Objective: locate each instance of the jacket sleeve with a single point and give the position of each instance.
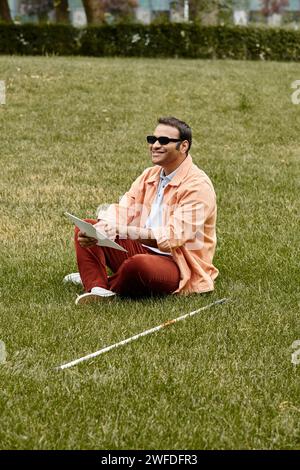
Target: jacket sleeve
(124, 212)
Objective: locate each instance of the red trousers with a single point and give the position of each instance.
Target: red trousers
(139, 272)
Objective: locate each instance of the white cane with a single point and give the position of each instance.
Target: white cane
(144, 333)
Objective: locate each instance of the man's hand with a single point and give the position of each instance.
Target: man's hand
(143, 235)
(85, 241)
(107, 228)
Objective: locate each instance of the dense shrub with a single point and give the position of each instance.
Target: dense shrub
(164, 40)
(33, 39)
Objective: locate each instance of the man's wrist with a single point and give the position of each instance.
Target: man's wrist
(144, 234)
(135, 232)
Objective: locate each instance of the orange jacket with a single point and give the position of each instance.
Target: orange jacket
(189, 221)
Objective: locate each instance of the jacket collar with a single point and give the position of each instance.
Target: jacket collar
(178, 177)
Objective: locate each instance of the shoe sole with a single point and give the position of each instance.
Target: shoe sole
(92, 298)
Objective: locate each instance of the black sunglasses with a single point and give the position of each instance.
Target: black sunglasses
(151, 139)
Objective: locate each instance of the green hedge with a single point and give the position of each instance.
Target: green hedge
(30, 39)
(165, 40)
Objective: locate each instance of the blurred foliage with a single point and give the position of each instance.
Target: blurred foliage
(188, 40)
(269, 7)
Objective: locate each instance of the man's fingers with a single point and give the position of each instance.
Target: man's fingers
(82, 235)
(86, 244)
(86, 237)
(85, 241)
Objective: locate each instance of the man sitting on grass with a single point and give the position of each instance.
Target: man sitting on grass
(166, 222)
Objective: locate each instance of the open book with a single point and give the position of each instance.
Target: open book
(90, 231)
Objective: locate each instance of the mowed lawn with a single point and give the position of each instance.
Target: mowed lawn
(72, 137)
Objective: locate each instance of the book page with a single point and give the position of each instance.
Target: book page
(90, 231)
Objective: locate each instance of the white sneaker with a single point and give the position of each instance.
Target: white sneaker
(73, 278)
(97, 294)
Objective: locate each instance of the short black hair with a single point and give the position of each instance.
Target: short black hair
(185, 132)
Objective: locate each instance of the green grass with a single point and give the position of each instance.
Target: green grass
(72, 137)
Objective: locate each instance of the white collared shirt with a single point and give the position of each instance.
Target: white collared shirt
(156, 213)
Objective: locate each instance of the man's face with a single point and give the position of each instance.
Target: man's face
(166, 155)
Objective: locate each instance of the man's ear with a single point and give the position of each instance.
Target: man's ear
(184, 144)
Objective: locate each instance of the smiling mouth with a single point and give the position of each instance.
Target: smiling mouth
(157, 154)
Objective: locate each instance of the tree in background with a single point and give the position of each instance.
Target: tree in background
(209, 12)
(39, 8)
(120, 9)
(5, 11)
(241, 4)
(273, 7)
(96, 10)
(62, 12)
